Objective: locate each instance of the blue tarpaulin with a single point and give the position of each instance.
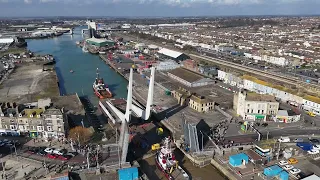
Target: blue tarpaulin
(128, 174)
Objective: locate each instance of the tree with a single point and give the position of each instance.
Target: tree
(80, 134)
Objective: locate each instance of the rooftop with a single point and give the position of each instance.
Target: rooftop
(170, 53)
(251, 96)
(33, 112)
(98, 40)
(200, 99)
(53, 112)
(186, 75)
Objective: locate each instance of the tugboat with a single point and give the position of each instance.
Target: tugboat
(167, 163)
(100, 89)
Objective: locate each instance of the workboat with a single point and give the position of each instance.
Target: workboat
(168, 164)
(100, 89)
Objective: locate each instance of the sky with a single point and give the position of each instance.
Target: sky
(156, 8)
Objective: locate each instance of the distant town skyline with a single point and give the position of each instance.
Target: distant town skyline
(154, 8)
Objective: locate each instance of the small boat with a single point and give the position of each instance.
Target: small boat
(71, 71)
(102, 52)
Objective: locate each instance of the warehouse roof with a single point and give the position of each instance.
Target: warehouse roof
(170, 53)
(186, 75)
(6, 40)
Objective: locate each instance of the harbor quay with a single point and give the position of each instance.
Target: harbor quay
(166, 108)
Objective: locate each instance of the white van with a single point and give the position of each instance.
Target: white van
(284, 139)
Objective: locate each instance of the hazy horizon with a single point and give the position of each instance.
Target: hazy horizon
(157, 8)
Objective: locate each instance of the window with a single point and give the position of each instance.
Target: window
(49, 121)
(20, 121)
(49, 128)
(248, 110)
(258, 111)
(58, 121)
(251, 110)
(262, 111)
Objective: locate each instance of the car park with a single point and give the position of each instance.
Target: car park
(295, 171)
(288, 167)
(49, 150)
(282, 163)
(313, 151)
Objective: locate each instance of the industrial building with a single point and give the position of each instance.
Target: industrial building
(188, 78)
(100, 42)
(287, 116)
(238, 159)
(275, 171)
(255, 107)
(165, 53)
(167, 65)
(6, 40)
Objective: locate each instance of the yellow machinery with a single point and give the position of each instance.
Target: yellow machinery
(310, 113)
(159, 131)
(155, 146)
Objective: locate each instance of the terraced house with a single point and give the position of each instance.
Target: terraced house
(33, 119)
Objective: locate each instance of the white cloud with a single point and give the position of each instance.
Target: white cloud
(27, 1)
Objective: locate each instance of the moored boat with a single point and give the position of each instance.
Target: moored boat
(100, 89)
(166, 162)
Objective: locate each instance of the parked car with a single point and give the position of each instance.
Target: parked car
(313, 151)
(282, 163)
(65, 157)
(52, 156)
(315, 141)
(298, 140)
(284, 139)
(295, 171)
(288, 167)
(292, 161)
(49, 150)
(316, 147)
(60, 151)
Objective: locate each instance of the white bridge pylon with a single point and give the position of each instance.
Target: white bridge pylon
(130, 107)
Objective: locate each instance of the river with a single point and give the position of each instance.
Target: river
(70, 57)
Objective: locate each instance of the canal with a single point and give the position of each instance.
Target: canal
(70, 57)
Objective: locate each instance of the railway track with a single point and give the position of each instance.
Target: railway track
(288, 80)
